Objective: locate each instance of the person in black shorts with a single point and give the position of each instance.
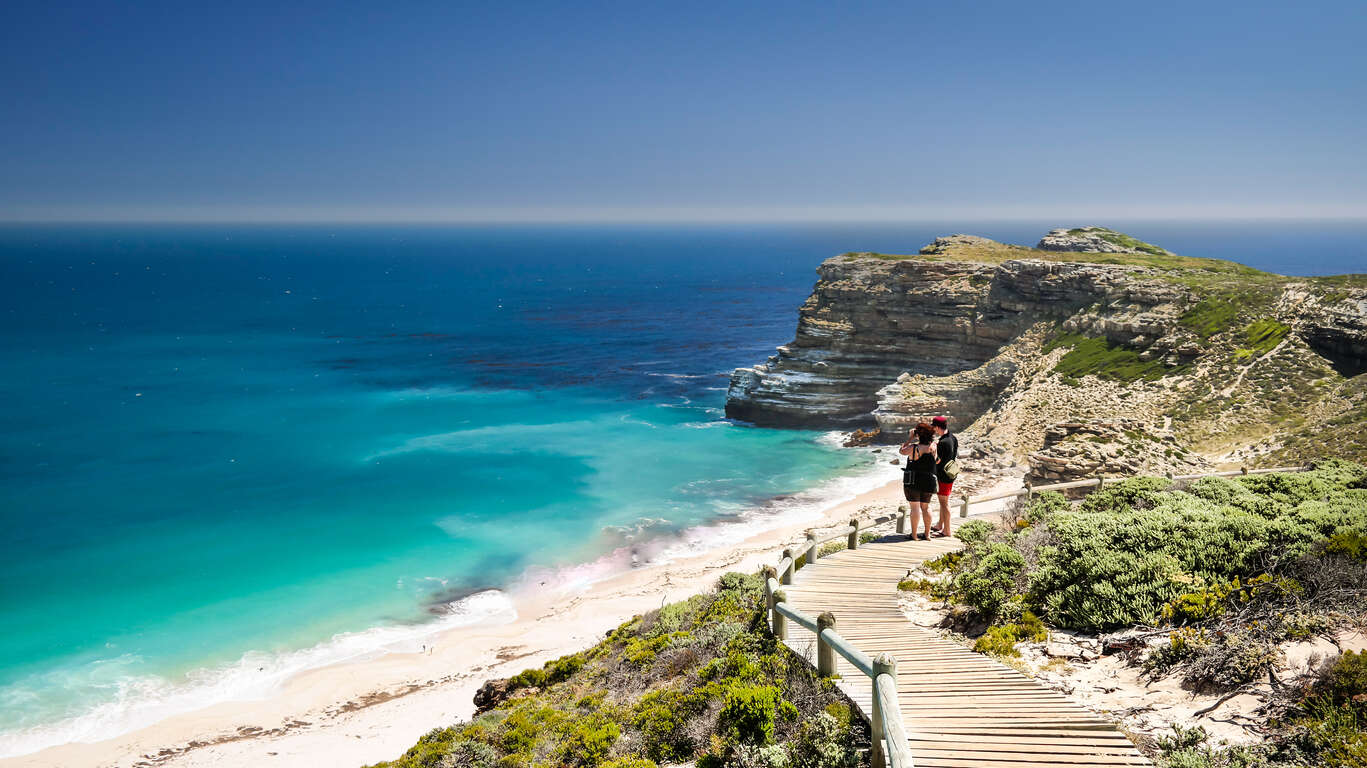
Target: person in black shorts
(918, 477)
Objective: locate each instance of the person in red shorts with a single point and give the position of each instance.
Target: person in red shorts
(946, 450)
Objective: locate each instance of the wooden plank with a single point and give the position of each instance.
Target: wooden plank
(959, 708)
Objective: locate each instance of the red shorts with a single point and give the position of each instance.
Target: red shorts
(945, 488)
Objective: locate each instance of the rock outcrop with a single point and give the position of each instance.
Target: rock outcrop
(1122, 448)
(1094, 240)
(1335, 325)
(1013, 341)
(869, 319)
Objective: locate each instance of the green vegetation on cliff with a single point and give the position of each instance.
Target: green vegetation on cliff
(1090, 356)
(700, 680)
(1121, 239)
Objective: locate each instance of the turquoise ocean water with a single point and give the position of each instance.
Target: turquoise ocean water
(232, 453)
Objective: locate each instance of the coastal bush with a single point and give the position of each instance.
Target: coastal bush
(823, 742)
(699, 677)
(1262, 336)
(469, 754)
(1140, 551)
(587, 741)
(628, 761)
(1000, 640)
(758, 756)
(991, 578)
(1125, 495)
(1349, 544)
(750, 712)
(1343, 683)
(1044, 504)
(974, 532)
(660, 719)
(944, 562)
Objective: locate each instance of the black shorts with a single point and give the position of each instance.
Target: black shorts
(914, 495)
(918, 486)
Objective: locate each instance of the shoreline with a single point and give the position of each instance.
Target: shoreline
(363, 711)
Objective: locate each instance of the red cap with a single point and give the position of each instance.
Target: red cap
(939, 421)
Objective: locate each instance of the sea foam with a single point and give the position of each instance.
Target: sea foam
(141, 700)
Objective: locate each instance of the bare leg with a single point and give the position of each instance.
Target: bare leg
(945, 517)
(925, 517)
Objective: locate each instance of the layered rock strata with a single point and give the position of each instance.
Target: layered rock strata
(870, 319)
(1011, 341)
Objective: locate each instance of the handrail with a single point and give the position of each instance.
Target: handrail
(894, 734)
(890, 749)
(888, 715)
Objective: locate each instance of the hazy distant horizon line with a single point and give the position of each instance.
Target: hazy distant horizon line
(1081, 215)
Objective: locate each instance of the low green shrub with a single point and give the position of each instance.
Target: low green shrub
(974, 532)
(660, 718)
(1349, 544)
(944, 562)
(697, 677)
(1129, 494)
(628, 761)
(1344, 684)
(824, 742)
(587, 740)
(1000, 640)
(750, 712)
(1139, 551)
(991, 578)
(1044, 504)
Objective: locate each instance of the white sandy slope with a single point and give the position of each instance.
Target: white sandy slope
(362, 712)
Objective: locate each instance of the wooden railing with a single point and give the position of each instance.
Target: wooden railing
(885, 720)
(889, 735)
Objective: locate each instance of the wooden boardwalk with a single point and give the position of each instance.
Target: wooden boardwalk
(961, 709)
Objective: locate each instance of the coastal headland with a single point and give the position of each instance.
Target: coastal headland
(1090, 354)
(1075, 354)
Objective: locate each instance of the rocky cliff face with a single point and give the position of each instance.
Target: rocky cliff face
(1014, 340)
(869, 319)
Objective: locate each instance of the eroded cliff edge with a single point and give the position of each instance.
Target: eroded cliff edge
(1199, 354)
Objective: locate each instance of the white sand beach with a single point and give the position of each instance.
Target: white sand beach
(362, 712)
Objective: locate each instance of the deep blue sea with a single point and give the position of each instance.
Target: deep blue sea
(230, 453)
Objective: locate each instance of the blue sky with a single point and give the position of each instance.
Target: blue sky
(448, 111)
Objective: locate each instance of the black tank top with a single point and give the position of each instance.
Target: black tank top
(925, 464)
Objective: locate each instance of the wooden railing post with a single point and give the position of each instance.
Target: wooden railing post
(1029, 490)
(902, 519)
(780, 621)
(825, 654)
(853, 543)
(813, 549)
(883, 664)
(767, 573)
(963, 508)
(786, 577)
